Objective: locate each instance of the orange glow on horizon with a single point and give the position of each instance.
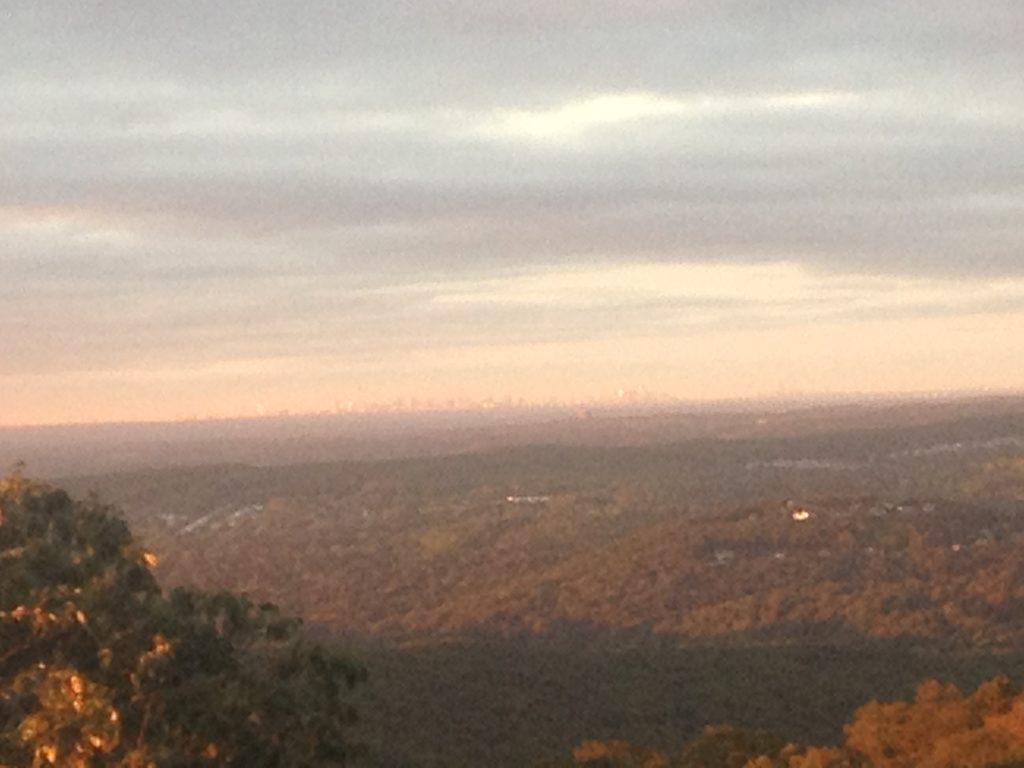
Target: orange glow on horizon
(965, 353)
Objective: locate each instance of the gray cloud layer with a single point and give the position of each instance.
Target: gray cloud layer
(202, 179)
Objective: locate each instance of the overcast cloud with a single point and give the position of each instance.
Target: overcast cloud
(191, 184)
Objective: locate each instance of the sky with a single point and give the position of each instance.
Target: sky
(227, 209)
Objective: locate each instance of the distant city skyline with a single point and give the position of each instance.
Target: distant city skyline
(216, 211)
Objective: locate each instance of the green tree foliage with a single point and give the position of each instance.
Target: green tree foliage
(99, 667)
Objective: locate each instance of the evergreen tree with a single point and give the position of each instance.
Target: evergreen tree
(100, 667)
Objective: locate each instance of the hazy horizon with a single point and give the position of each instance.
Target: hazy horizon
(621, 402)
(217, 214)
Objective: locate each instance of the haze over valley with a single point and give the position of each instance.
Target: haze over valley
(520, 384)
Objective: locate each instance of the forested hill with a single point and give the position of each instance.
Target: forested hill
(514, 603)
(102, 667)
(939, 728)
(912, 532)
(851, 568)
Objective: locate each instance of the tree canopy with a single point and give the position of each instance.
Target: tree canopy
(942, 727)
(100, 667)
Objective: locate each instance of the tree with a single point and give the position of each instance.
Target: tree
(100, 667)
(726, 746)
(617, 754)
(942, 727)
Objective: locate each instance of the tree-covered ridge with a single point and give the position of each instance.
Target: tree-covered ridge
(854, 568)
(100, 667)
(913, 531)
(657, 587)
(940, 728)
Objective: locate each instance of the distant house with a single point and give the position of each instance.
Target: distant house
(536, 499)
(881, 510)
(985, 536)
(797, 511)
(724, 556)
(239, 514)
